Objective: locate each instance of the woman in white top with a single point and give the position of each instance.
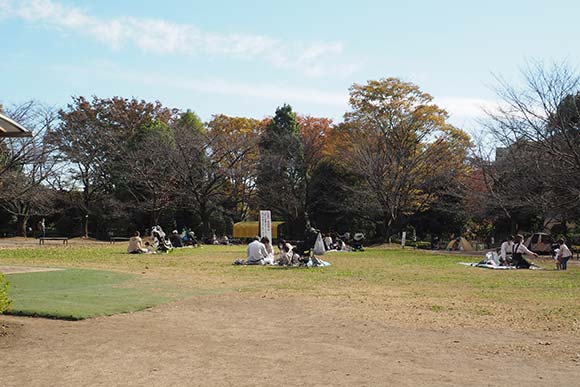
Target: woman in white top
(269, 260)
(506, 249)
(564, 254)
(518, 251)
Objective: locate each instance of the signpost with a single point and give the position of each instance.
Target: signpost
(266, 224)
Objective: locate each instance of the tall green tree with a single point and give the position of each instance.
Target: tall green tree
(281, 178)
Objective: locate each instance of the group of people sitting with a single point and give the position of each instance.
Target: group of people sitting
(513, 250)
(261, 252)
(136, 245)
(186, 238)
(157, 241)
(344, 242)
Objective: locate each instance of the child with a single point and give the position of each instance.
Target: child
(564, 254)
(557, 259)
(150, 249)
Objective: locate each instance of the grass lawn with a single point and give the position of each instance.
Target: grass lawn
(417, 286)
(76, 294)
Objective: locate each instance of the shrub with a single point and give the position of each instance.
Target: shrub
(423, 245)
(4, 300)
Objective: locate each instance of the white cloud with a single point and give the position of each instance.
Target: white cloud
(462, 110)
(466, 107)
(276, 92)
(164, 37)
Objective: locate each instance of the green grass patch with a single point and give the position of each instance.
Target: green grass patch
(418, 279)
(77, 294)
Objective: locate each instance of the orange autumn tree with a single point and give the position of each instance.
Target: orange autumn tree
(402, 147)
(315, 133)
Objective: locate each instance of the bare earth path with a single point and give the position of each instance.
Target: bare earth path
(255, 340)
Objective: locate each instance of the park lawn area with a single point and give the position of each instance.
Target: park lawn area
(382, 283)
(76, 294)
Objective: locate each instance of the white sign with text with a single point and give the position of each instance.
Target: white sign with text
(266, 224)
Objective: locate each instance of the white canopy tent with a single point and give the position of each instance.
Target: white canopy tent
(11, 128)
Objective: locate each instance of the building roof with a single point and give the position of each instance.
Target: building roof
(11, 128)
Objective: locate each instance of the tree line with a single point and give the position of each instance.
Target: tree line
(113, 165)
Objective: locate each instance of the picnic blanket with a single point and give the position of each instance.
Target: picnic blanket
(311, 263)
(492, 261)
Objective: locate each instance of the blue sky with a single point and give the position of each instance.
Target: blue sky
(247, 57)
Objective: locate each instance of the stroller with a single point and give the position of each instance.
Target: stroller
(160, 242)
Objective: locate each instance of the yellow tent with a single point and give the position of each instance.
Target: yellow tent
(461, 245)
(252, 229)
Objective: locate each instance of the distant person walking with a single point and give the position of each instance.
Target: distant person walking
(42, 227)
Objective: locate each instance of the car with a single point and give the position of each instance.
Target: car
(540, 243)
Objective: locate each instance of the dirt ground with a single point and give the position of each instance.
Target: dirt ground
(20, 242)
(270, 338)
(255, 340)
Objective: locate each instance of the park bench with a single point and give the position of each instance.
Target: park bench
(63, 239)
(118, 239)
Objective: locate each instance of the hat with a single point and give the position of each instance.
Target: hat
(174, 232)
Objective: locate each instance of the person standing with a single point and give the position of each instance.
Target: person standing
(564, 254)
(42, 228)
(518, 252)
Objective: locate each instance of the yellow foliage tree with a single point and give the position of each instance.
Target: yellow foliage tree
(402, 146)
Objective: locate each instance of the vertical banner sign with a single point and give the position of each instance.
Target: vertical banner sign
(403, 239)
(266, 225)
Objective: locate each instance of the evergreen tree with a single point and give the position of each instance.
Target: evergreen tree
(281, 180)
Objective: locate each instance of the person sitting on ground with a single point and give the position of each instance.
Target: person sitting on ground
(224, 240)
(505, 252)
(175, 239)
(150, 249)
(358, 241)
(284, 245)
(328, 242)
(285, 256)
(269, 249)
(518, 251)
(189, 238)
(136, 244)
(564, 254)
(256, 252)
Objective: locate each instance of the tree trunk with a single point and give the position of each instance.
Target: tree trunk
(86, 226)
(155, 211)
(22, 225)
(389, 225)
(204, 215)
